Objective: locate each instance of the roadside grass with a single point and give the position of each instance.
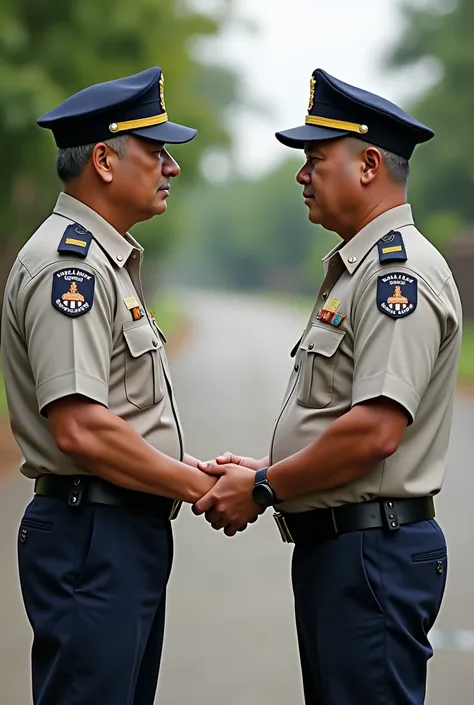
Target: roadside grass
(3, 400)
(466, 363)
(168, 313)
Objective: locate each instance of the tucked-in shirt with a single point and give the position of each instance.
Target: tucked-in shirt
(399, 338)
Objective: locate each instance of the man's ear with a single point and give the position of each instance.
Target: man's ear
(102, 158)
(372, 161)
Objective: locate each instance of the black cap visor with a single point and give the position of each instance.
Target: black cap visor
(167, 132)
(298, 136)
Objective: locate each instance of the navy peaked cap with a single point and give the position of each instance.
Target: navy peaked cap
(134, 104)
(337, 109)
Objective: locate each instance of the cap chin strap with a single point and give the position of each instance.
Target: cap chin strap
(140, 122)
(336, 124)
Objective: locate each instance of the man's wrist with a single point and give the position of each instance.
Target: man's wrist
(263, 492)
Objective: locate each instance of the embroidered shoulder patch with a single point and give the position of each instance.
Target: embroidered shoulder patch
(75, 239)
(391, 248)
(73, 292)
(397, 294)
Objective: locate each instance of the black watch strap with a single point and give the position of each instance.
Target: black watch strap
(261, 479)
(261, 475)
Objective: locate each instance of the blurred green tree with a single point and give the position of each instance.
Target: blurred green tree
(440, 32)
(49, 50)
(252, 235)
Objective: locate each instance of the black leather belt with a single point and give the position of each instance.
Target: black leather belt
(80, 489)
(320, 525)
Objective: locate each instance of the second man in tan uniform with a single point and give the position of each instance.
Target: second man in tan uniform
(359, 448)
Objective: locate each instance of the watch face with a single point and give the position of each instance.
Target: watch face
(263, 495)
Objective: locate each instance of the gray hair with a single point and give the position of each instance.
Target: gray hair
(71, 161)
(398, 167)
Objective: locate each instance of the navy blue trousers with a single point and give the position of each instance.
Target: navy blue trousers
(364, 604)
(93, 580)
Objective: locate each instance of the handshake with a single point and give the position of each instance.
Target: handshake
(229, 505)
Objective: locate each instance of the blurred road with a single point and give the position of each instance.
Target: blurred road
(230, 635)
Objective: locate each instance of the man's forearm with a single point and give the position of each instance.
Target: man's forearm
(110, 448)
(190, 460)
(347, 450)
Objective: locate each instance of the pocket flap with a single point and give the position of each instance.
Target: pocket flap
(140, 337)
(323, 340)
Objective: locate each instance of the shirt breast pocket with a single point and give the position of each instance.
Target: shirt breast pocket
(319, 351)
(144, 379)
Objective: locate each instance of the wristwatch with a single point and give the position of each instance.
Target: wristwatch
(263, 493)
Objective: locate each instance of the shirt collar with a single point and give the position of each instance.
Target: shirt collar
(353, 252)
(118, 248)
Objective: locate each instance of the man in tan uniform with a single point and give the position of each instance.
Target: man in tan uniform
(360, 445)
(91, 405)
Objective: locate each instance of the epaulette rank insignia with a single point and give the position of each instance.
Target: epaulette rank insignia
(75, 239)
(391, 248)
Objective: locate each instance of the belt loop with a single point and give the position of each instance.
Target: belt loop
(389, 514)
(334, 522)
(76, 491)
(285, 532)
(175, 507)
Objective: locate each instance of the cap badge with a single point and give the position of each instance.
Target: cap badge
(162, 92)
(312, 88)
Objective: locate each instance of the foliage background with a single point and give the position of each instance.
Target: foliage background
(234, 231)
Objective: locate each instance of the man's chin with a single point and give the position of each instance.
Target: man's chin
(159, 206)
(314, 217)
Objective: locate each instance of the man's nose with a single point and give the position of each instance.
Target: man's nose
(170, 166)
(303, 176)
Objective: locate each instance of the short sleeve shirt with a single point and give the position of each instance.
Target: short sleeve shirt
(79, 325)
(393, 330)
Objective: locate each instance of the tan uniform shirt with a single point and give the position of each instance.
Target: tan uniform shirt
(400, 339)
(51, 350)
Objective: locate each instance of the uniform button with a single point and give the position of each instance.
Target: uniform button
(324, 295)
(134, 256)
(23, 535)
(119, 258)
(352, 259)
(439, 567)
(296, 368)
(155, 343)
(310, 346)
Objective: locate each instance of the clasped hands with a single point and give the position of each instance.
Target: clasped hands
(229, 505)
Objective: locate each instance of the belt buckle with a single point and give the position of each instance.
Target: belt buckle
(285, 532)
(174, 511)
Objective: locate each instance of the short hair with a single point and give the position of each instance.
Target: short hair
(71, 161)
(398, 167)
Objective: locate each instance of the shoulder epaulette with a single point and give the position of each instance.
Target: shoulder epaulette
(391, 248)
(75, 239)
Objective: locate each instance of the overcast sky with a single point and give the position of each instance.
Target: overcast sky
(347, 38)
